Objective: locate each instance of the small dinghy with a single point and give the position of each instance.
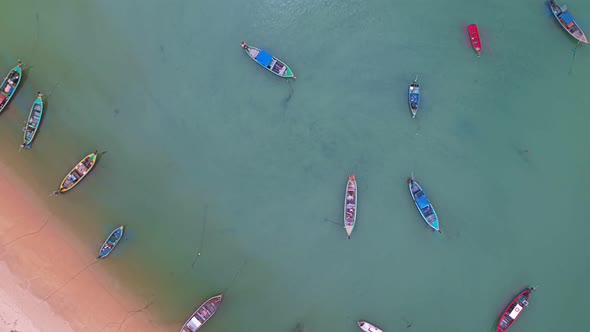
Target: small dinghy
(350, 199)
(202, 315)
(423, 204)
(368, 327)
(269, 62)
(10, 84)
(566, 20)
(33, 122)
(77, 173)
(414, 97)
(474, 38)
(111, 242)
(514, 310)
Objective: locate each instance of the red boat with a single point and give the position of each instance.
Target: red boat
(513, 311)
(474, 37)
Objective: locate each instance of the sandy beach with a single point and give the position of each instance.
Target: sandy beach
(49, 282)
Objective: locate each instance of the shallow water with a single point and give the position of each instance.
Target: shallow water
(204, 151)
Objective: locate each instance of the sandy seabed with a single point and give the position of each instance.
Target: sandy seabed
(48, 281)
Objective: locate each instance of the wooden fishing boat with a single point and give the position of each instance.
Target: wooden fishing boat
(10, 84)
(514, 310)
(368, 327)
(202, 315)
(33, 122)
(414, 97)
(350, 199)
(272, 64)
(111, 242)
(423, 204)
(474, 38)
(78, 173)
(566, 20)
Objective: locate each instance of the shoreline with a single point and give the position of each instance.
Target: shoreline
(50, 282)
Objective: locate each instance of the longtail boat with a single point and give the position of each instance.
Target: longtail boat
(350, 199)
(414, 97)
(10, 84)
(514, 310)
(111, 242)
(272, 64)
(566, 20)
(77, 173)
(33, 122)
(368, 327)
(202, 315)
(423, 204)
(474, 38)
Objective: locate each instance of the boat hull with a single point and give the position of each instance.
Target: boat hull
(111, 242)
(474, 38)
(202, 314)
(33, 122)
(268, 62)
(68, 183)
(567, 22)
(423, 204)
(414, 98)
(10, 85)
(368, 327)
(514, 309)
(350, 204)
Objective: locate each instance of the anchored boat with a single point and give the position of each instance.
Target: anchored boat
(10, 84)
(414, 97)
(368, 327)
(423, 204)
(350, 199)
(111, 242)
(33, 122)
(474, 38)
(272, 64)
(78, 173)
(514, 310)
(202, 315)
(566, 20)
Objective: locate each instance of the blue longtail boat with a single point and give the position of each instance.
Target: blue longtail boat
(423, 204)
(269, 62)
(33, 122)
(111, 242)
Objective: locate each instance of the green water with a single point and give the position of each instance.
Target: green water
(207, 152)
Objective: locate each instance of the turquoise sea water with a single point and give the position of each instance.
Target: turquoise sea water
(207, 152)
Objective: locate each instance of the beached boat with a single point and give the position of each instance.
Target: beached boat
(272, 64)
(567, 21)
(77, 173)
(33, 122)
(514, 310)
(350, 199)
(10, 84)
(474, 38)
(368, 327)
(202, 315)
(414, 97)
(423, 204)
(111, 242)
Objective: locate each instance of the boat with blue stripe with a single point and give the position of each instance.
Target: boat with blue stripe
(414, 97)
(269, 62)
(33, 122)
(423, 204)
(111, 242)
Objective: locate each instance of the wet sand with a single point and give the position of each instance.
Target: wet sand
(50, 282)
